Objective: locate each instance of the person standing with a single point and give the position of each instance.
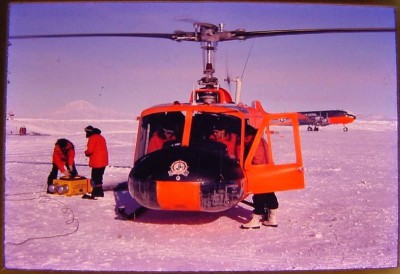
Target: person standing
(63, 161)
(265, 204)
(98, 160)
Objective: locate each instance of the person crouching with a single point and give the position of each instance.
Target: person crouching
(63, 161)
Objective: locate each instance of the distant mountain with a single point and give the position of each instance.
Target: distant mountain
(82, 109)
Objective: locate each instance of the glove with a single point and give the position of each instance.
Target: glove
(73, 173)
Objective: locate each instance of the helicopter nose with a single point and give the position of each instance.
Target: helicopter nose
(187, 179)
(208, 196)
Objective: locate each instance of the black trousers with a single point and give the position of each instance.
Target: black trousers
(54, 173)
(263, 202)
(97, 175)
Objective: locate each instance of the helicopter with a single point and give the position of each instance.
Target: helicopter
(192, 171)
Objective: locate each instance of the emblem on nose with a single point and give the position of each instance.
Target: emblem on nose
(178, 168)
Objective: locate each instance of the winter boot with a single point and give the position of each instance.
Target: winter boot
(88, 196)
(254, 223)
(270, 218)
(98, 191)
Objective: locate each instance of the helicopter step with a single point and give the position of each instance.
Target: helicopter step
(133, 215)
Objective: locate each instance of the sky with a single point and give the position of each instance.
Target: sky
(354, 72)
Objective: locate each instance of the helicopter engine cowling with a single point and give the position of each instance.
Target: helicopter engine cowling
(194, 178)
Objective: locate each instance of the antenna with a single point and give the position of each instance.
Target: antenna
(238, 80)
(247, 60)
(238, 95)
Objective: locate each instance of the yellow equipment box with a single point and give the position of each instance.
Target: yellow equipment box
(72, 186)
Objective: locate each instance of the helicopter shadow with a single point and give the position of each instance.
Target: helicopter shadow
(124, 199)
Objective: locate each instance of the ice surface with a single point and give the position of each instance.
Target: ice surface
(346, 217)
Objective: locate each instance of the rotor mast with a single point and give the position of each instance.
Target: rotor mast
(205, 33)
(209, 79)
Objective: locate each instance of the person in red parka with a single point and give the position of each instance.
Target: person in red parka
(265, 204)
(63, 161)
(221, 134)
(98, 159)
(160, 137)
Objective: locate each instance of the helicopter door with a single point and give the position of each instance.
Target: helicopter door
(278, 135)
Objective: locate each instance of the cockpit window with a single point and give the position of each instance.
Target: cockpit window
(216, 132)
(158, 130)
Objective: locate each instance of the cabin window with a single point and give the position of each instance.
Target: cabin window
(275, 143)
(281, 139)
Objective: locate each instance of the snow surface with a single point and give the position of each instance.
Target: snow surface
(346, 217)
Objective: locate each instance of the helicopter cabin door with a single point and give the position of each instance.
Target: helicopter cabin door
(278, 138)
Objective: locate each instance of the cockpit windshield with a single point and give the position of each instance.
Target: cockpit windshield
(159, 130)
(214, 132)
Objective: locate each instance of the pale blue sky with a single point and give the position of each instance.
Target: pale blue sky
(354, 72)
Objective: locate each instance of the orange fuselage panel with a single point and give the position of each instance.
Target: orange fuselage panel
(341, 120)
(175, 195)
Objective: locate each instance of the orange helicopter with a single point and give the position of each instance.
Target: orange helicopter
(194, 172)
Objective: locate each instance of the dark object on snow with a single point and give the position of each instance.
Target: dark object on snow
(133, 215)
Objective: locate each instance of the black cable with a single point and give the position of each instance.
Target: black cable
(65, 209)
(49, 163)
(34, 162)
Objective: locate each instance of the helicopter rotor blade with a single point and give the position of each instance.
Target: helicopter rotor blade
(209, 33)
(243, 35)
(79, 35)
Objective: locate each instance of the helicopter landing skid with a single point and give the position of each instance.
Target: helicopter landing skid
(133, 215)
(247, 203)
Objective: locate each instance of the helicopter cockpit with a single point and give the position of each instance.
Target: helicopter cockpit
(202, 128)
(203, 162)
